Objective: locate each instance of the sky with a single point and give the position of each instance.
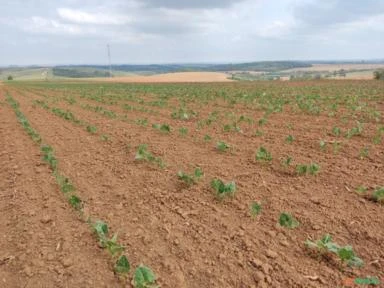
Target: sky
(59, 32)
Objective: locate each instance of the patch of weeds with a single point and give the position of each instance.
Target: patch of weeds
(263, 155)
(223, 190)
(144, 278)
(288, 221)
(143, 154)
(222, 146)
(255, 209)
(289, 139)
(326, 246)
(190, 179)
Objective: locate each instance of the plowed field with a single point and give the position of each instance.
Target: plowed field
(312, 150)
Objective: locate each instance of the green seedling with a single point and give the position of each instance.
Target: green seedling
(336, 131)
(287, 161)
(75, 202)
(143, 154)
(104, 138)
(263, 121)
(378, 195)
(64, 183)
(355, 131)
(112, 246)
(364, 153)
(361, 189)
(255, 209)
(165, 128)
(49, 157)
(183, 131)
(190, 179)
(311, 169)
(222, 146)
(323, 145)
(259, 133)
(325, 246)
(289, 139)
(223, 190)
(144, 278)
(207, 138)
(287, 220)
(142, 122)
(122, 266)
(91, 129)
(263, 155)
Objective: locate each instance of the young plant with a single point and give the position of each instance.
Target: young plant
(223, 190)
(207, 138)
(190, 179)
(259, 133)
(122, 266)
(222, 146)
(91, 129)
(336, 131)
(364, 153)
(311, 169)
(287, 220)
(144, 278)
(165, 128)
(361, 189)
(289, 139)
(355, 131)
(378, 195)
(263, 155)
(287, 161)
(75, 202)
(323, 145)
(255, 209)
(143, 154)
(183, 131)
(325, 246)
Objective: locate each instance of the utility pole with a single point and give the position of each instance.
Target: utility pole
(109, 61)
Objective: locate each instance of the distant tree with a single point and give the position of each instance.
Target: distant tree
(10, 78)
(378, 75)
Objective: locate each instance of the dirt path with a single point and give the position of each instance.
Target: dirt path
(43, 243)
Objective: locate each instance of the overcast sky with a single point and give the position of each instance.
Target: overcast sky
(176, 31)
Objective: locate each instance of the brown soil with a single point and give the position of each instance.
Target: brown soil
(43, 243)
(184, 234)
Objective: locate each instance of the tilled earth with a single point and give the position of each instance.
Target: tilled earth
(187, 236)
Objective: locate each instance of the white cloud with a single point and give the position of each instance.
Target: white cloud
(99, 18)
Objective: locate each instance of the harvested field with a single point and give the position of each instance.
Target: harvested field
(173, 77)
(337, 67)
(313, 150)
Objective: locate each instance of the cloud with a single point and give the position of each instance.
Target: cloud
(190, 4)
(332, 12)
(98, 18)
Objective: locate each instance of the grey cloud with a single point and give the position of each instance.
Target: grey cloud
(329, 12)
